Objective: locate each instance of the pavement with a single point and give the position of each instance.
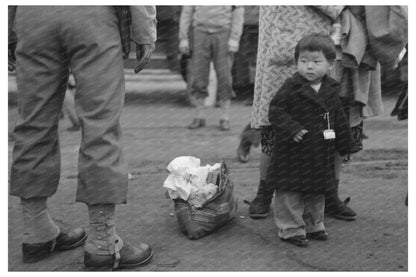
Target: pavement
(148, 81)
(154, 128)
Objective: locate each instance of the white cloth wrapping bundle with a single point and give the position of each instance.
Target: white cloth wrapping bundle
(188, 180)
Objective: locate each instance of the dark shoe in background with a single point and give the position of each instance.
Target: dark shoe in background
(340, 210)
(336, 208)
(224, 124)
(260, 206)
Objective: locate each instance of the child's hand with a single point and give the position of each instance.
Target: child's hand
(233, 46)
(184, 47)
(299, 136)
(336, 33)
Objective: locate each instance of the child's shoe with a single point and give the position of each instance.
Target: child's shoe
(320, 235)
(197, 123)
(224, 124)
(300, 241)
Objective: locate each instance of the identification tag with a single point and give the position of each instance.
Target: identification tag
(328, 133)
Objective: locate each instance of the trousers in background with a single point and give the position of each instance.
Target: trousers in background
(50, 41)
(207, 47)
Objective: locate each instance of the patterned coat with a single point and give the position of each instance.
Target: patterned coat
(280, 29)
(308, 165)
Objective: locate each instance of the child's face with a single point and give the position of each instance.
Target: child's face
(313, 66)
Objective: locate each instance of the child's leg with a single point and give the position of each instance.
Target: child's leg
(288, 214)
(201, 58)
(225, 109)
(200, 108)
(314, 212)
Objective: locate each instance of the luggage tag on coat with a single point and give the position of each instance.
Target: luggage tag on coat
(328, 133)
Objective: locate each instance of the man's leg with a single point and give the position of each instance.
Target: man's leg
(103, 178)
(260, 206)
(42, 76)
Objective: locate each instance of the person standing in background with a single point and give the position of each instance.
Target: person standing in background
(216, 32)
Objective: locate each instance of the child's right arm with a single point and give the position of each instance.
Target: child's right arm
(280, 119)
(299, 136)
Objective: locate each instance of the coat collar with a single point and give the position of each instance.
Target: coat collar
(327, 86)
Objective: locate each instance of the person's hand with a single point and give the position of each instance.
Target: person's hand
(12, 57)
(232, 46)
(299, 136)
(336, 33)
(346, 159)
(184, 47)
(143, 54)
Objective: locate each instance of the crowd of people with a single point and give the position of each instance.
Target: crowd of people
(313, 89)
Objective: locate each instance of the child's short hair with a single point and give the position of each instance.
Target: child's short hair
(316, 42)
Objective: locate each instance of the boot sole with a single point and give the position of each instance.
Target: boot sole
(120, 266)
(258, 216)
(141, 263)
(352, 218)
(31, 260)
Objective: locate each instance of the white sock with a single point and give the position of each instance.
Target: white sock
(225, 108)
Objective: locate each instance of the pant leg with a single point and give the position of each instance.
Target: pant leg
(91, 36)
(223, 62)
(201, 58)
(288, 214)
(313, 215)
(42, 76)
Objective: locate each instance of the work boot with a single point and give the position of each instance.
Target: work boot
(41, 236)
(260, 206)
(34, 252)
(336, 208)
(104, 249)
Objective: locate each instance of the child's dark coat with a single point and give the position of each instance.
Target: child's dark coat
(306, 166)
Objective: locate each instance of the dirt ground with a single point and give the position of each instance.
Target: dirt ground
(155, 133)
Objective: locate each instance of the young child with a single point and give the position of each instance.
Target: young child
(309, 123)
